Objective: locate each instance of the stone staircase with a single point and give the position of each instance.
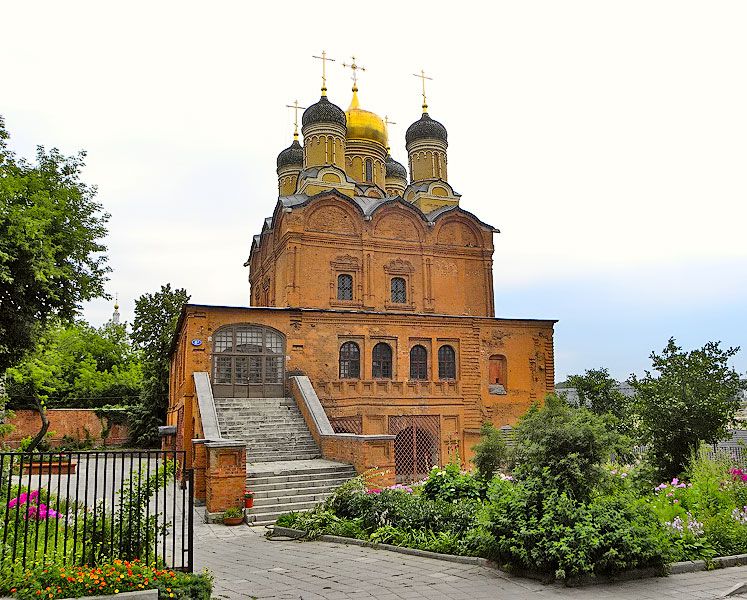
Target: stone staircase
(284, 465)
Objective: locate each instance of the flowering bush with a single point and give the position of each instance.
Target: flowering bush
(451, 484)
(34, 509)
(58, 581)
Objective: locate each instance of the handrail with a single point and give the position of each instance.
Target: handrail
(206, 403)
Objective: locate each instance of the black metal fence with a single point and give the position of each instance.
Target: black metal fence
(88, 508)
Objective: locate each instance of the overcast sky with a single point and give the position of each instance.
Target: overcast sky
(606, 140)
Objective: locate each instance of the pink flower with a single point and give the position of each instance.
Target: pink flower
(676, 501)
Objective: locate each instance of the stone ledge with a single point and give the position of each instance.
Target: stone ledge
(672, 569)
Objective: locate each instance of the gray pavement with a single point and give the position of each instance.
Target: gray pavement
(246, 565)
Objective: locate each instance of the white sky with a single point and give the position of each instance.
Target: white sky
(607, 141)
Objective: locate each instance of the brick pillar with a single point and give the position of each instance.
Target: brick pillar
(199, 463)
(225, 475)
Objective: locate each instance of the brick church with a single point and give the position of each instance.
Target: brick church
(373, 288)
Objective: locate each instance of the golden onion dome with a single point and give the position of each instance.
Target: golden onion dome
(363, 124)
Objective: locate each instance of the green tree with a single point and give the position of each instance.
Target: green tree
(692, 399)
(154, 325)
(76, 365)
(51, 257)
(599, 392)
(563, 447)
(490, 452)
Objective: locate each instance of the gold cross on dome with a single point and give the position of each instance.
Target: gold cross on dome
(324, 58)
(355, 68)
(295, 108)
(423, 77)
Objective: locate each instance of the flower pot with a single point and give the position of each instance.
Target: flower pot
(233, 520)
(248, 502)
(53, 468)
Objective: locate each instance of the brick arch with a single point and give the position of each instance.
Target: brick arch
(332, 217)
(398, 222)
(457, 231)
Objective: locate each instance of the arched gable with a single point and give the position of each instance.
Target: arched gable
(459, 231)
(398, 221)
(332, 216)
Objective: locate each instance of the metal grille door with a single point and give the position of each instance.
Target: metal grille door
(416, 446)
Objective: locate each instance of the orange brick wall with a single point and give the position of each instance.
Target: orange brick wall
(225, 478)
(72, 422)
(447, 266)
(313, 338)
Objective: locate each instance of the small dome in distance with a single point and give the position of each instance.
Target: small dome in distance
(395, 169)
(292, 155)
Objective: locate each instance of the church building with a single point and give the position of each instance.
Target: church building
(369, 282)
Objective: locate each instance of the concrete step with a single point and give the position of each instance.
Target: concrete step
(297, 493)
(276, 510)
(295, 477)
(288, 486)
(288, 457)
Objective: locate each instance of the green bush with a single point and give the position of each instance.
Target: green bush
(490, 453)
(451, 485)
(545, 530)
(564, 447)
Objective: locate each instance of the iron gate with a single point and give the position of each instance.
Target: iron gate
(89, 508)
(416, 446)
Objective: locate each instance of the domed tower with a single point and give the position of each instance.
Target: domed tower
(290, 164)
(323, 126)
(366, 142)
(426, 143)
(396, 177)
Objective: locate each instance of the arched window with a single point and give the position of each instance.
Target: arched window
(418, 362)
(381, 367)
(399, 290)
(344, 287)
(369, 170)
(350, 361)
(446, 363)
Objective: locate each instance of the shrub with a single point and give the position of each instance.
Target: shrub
(450, 485)
(574, 441)
(490, 452)
(548, 531)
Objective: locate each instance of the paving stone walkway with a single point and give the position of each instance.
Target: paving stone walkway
(246, 565)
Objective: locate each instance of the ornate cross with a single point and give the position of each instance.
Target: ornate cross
(324, 58)
(355, 68)
(295, 108)
(423, 77)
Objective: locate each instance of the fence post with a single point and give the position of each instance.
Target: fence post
(199, 464)
(225, 477)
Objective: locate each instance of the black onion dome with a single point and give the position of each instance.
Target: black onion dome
(323, 112)
(395, 169)
(425, 128)
(292, 155)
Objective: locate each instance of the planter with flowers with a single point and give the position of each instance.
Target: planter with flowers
(248, 498)
(233, 516)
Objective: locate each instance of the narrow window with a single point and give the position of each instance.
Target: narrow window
(498, 373)
(399, 290)
(418, 363)
(344, 287)
(350, 361)
(446, 363)
(369, 170)
(381, 366)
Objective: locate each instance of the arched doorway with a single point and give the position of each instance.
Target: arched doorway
(416, 446)
(248, 362)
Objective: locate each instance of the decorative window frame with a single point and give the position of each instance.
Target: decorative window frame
(345, 265)
(403, 269)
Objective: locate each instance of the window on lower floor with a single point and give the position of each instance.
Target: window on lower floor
(350, 361)
(381, 366)
(446, 363)
(418, 362)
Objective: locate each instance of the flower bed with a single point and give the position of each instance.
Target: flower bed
(57, 581)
